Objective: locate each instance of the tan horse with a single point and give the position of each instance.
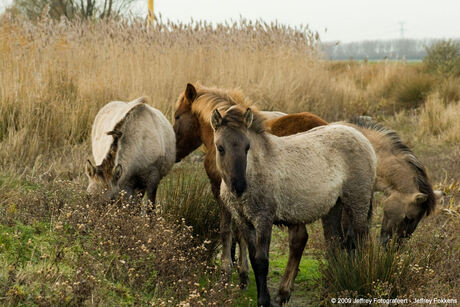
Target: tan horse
(133, 146)
(400, 174)
(292, 180)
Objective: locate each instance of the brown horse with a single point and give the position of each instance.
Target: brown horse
(192, 128)
(400, 174)
(293, 123)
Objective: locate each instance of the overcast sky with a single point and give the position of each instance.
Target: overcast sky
(345, 20)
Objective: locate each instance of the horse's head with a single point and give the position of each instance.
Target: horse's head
(186, 124)
(232, 146)
(95, 179)
(401, 215)
(100, 181)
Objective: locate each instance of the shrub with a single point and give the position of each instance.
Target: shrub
(370, 271)
(412, 91)
(407, 89)
(443, 58)
(64, 248)
(449, 90)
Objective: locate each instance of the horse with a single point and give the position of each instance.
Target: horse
(400, 174)
(133, 146)
(293, 123)
(293, 180)
(192, 129)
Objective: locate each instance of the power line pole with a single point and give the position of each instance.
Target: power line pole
(401, 29)
(151, 15)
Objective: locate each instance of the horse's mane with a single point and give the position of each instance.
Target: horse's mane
(398, 147)
(104, 170)
(209, 99)
(234, 117)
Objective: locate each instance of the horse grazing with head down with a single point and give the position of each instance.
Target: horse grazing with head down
(400, 174)
(133, 146)
(292, 180)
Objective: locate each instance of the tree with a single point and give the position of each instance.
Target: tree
(70, 9)
(443, 57)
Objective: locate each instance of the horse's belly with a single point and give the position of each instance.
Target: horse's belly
(304, 211)
(306, 204)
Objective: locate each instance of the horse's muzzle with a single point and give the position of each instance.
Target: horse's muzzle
(239, 187)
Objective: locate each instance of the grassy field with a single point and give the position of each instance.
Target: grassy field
(60, 247)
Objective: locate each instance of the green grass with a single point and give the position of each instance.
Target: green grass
(306, 291)
(10, 182)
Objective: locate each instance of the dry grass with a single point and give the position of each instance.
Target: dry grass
(55, 76)
(440, 120)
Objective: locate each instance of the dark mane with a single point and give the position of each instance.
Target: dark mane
(104, 170)
(398, 147)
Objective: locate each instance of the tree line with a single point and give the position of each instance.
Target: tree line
(394, 49)
(70, 9)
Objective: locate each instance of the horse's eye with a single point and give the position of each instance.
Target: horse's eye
(247, 147)
(221, 150)
(176, 117)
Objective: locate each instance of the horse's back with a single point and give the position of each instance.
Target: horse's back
(314, 168)
(148, 138)
(294, 123)
(106, 119)
(146, 133)
(270, 115)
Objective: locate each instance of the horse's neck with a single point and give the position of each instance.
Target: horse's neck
(262, 146)
(393, 170)
(206, 135)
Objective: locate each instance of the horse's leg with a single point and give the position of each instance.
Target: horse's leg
(356, 217)
(332, 225)
(349, 235)
(298, 238)
(258, 241)
(243, 265)
(226, 237)
(152, 193)
(151, 189)
(225, 232)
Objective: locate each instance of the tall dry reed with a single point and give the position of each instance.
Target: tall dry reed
(54, 76)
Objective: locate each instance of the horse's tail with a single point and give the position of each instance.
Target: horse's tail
(421, 178)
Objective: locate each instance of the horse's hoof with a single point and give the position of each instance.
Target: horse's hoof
(244, 280)
(282, 298)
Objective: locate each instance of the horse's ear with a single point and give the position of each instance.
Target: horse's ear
(117, 172)
(248, 117)
(90, 169)
(190, 92)
(420, 198)
(216, 119)
(438, 194)
(116, 134)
